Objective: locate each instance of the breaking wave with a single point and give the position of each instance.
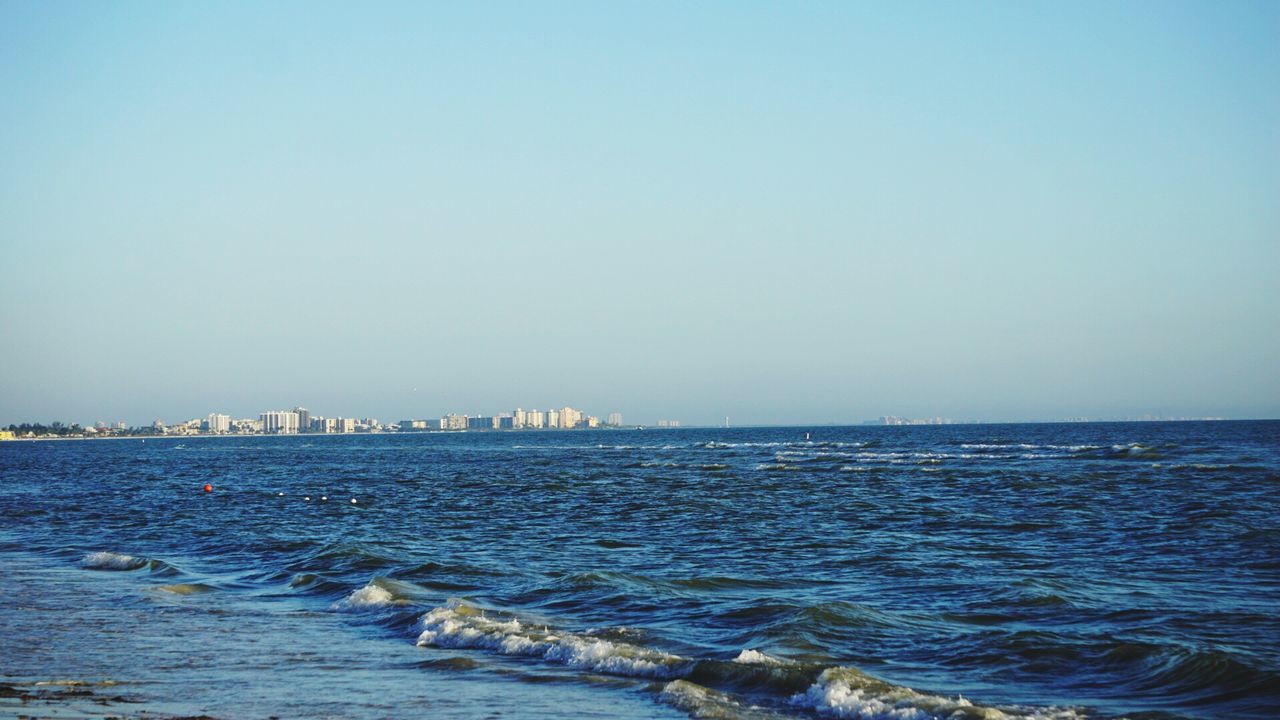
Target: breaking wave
(458, 625)
(706, 687)
(112, 561)
(846, 692)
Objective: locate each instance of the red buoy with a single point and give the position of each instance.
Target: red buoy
(208, 487)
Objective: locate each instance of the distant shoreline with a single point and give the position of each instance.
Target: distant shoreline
(635, 428)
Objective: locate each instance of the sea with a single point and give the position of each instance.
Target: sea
(1091, 570)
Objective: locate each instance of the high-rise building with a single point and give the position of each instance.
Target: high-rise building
(517, 419)
(569, 418)
(346, 425)
(553, 418)
(614, 419)
(453, 422)
(279, 422)
(219, 423)
(304, 419)
(535, 419)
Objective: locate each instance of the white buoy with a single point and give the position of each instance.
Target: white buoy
(353, 501)
(279, 494)
(325, 497)
(307, 498)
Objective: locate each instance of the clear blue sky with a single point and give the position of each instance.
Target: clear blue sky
(780, 212)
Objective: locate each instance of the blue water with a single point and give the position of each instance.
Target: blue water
(1088, 570)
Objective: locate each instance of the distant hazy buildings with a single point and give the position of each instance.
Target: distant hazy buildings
(668, 423)
(279, 422)
(300, 420)
(892, 420)
(565, 418)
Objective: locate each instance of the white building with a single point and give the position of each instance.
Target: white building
(614, 419)
(279, 422)
(219, 423)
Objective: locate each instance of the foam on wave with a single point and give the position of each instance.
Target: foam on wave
(369, 597)
(846, 692)
(755, 657)
(842, 692)
(112, 561)
(458, 625)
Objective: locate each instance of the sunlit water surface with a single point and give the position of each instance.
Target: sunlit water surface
(1064, 571)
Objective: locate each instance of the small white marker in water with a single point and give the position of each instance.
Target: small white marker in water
(280, 494)
(307, 498)
(353, 501)
(324, 497)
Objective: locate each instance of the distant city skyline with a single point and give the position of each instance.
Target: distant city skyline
(782, 214)
(301, 420)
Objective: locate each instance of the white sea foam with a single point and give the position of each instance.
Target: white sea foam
(458, 625)
(112, 561)
(755, 657)
(846, 692)
(369, 597)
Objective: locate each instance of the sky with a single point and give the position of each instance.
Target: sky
(776, 212)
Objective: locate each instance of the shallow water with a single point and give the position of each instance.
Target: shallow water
(1031, 570)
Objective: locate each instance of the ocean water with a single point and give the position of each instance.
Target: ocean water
(1021, 571)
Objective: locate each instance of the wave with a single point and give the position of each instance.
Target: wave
(113, 561)
(847, 692)
(379, 593)
(461, 626)
(703, 702)
(186, 588)
(339, 557)
(369, 596)
(751, 685)
(755, 657)
(121, 562)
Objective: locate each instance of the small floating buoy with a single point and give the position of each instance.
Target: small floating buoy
(280, 494)
(208, 487)
(324, 497)
(353, 501)
(307, 498)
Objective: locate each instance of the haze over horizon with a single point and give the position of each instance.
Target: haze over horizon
(782, 214)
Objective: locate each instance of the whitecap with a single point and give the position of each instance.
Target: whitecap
(755, 657)
(369, 597)
(112, 561)
(461, 626)
(846, 692)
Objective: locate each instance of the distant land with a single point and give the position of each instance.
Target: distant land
(299, 421)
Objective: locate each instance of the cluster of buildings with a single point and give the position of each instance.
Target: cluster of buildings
(300, 420)
(565, 418)
(892, 420)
